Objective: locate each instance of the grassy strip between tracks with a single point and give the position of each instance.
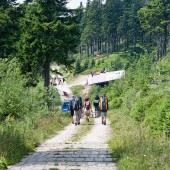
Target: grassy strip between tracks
(83, 129)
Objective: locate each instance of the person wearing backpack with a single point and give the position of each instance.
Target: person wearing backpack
(103, 105)
(96, 106)
(77, 106)
(87, 108)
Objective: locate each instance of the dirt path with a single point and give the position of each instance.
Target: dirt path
(60, 153)
(79, 80)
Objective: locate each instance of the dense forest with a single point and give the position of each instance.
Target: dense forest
(131, 35)
(109, 26)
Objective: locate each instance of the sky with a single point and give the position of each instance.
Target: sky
(72, 3)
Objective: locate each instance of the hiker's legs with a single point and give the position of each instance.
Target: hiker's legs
(87, 115)
(96, 111)
(76, 117)
(79, 116)
(103, 115)
(72, 120)
(99, 113)
(72, 114)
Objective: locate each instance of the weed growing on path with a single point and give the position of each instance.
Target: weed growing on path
(83, 130)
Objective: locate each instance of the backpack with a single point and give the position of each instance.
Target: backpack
(71, 103)
(103, 104)
(87, 105)
(77, 103)
(96, 103)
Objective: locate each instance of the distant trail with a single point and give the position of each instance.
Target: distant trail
(80, 80)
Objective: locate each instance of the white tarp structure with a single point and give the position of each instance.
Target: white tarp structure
(105, 77)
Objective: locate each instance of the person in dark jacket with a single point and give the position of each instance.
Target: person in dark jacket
(96, 106)
(71, 109)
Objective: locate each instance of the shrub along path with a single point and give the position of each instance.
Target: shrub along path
(60, 153)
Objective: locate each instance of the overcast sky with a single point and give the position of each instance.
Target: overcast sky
(72, 3)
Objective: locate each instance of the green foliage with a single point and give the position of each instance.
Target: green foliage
(144, 91)
(16, 100)
(60, 31)
(78, 68)
(154, 16)
(133, 147)
(3, 163)
(91, 22)
(24, 114)
(92, 63)
(158, 114)
(9, 17)
(95, 90)
(86, 64)
(52, 98)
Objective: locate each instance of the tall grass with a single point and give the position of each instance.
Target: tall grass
(134, 147)
(21, 137)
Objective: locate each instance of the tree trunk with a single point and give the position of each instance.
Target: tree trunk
(107, 47)
(97, 45)
(100, 44)
(87, 50)
(127, 42)
(80, 50)
(134, 41)
(91, 47)
(165, 41)
(47, 71)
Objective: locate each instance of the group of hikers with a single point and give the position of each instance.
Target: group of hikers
(59, 79)
(77, 107)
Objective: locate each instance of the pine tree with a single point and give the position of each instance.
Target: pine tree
(9, 17)
(49, 33)
(155, 17)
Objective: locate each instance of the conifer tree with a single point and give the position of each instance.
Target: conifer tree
(155, 18)
(9, 17)
(49, 32)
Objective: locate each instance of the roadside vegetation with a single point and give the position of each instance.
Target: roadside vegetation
(117, 35)
(134, 147)
(25, 118)
(139, 114)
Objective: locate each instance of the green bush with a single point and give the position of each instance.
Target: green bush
(16, 99)
(158, 114)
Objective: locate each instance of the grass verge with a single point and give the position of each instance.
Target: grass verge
(18, 138)
(134, 148)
